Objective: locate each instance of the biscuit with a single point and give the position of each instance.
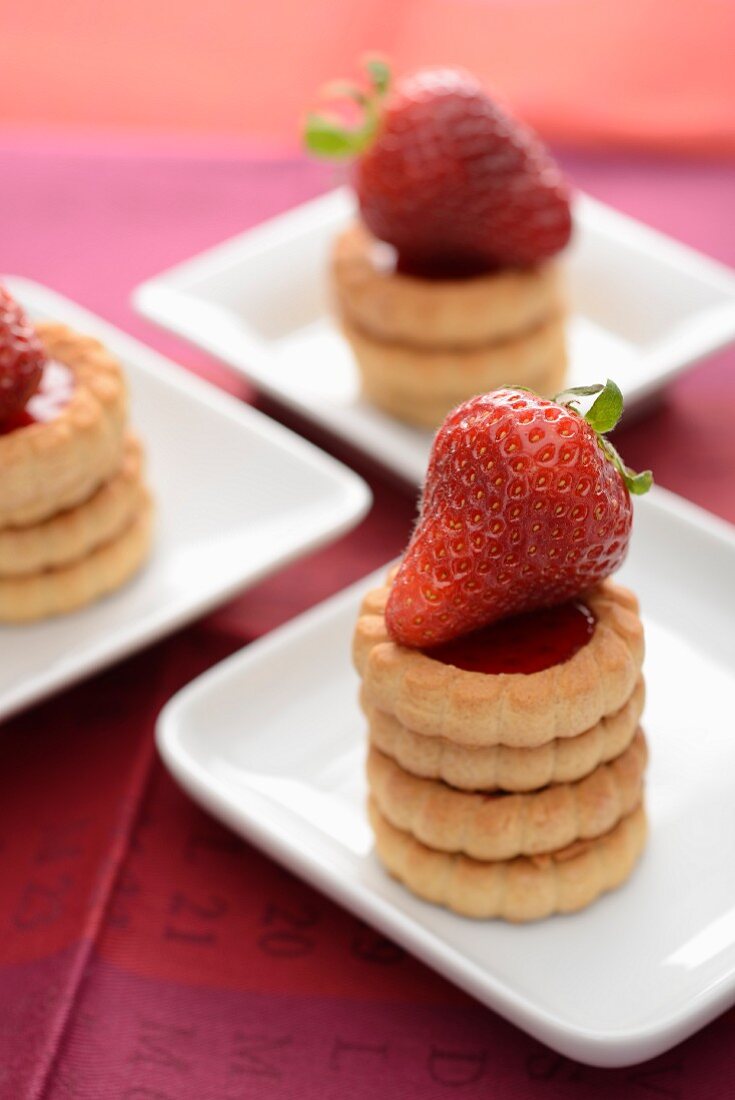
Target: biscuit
(501, 826)
(73, 534)
(420, 386)
(499, 767)
(522, 711)
(48, 467)
(522, 889)
(57, 591)
(437, 313)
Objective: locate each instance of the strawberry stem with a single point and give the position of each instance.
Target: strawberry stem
(379, 73)
(326, 135)
(603, 415)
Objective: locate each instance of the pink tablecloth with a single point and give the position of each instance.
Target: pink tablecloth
(145, 952)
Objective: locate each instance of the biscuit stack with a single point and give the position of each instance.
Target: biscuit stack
(510, 795)
(75, 516)
(424, 345)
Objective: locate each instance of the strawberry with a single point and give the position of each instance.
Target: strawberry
(21, 357)
(526, 505)
(446, 176)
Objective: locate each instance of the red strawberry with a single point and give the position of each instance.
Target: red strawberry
(448, 177)
(21, 357)
(526, 505)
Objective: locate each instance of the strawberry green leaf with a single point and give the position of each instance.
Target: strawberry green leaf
(327, 135)
(637, 484)
(343, 89)
(328, 138)
(379, 71)
(577, 391)
(602, 416)
(606, 410)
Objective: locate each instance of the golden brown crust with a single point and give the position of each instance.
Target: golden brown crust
(502, 826)
(499, 767)
(73, 534)
(522, 889)
(57, 591)
(523, 711)
(46, 468)
(438, 313)
(420, 386)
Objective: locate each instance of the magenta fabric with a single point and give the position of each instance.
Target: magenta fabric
(146, 952)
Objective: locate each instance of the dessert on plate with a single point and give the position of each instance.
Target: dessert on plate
(501, 667)
(448, 284)
(75, 515)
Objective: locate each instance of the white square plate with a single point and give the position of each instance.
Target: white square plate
(237, 496)
(272, 742)
(643, 308)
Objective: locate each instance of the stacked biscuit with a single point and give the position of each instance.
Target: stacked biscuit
(75, 516)
(512, 795)
(424, 345)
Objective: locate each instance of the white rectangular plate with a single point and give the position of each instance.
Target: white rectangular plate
(643, 308)
(272, 742)
(236, 496)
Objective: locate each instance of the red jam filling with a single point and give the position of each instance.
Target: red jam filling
(54, 392)
(443, 267)
(524, 643)
(388, 260)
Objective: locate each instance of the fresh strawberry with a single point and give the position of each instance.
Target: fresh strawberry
(526, 504)
(446, 176)
(21, 358)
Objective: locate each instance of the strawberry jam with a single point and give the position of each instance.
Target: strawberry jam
(387, 260)
(54, 392)
(523, 643)
(443, 268)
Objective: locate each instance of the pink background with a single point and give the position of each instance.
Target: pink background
(654, 73)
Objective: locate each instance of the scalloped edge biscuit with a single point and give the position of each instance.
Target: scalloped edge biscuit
(47, 468)
(523, 889)
(437, 313)
(500, 767)
(421, 385)
(58, 591)
(522, 711)
(499, 825)
(70, 535)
